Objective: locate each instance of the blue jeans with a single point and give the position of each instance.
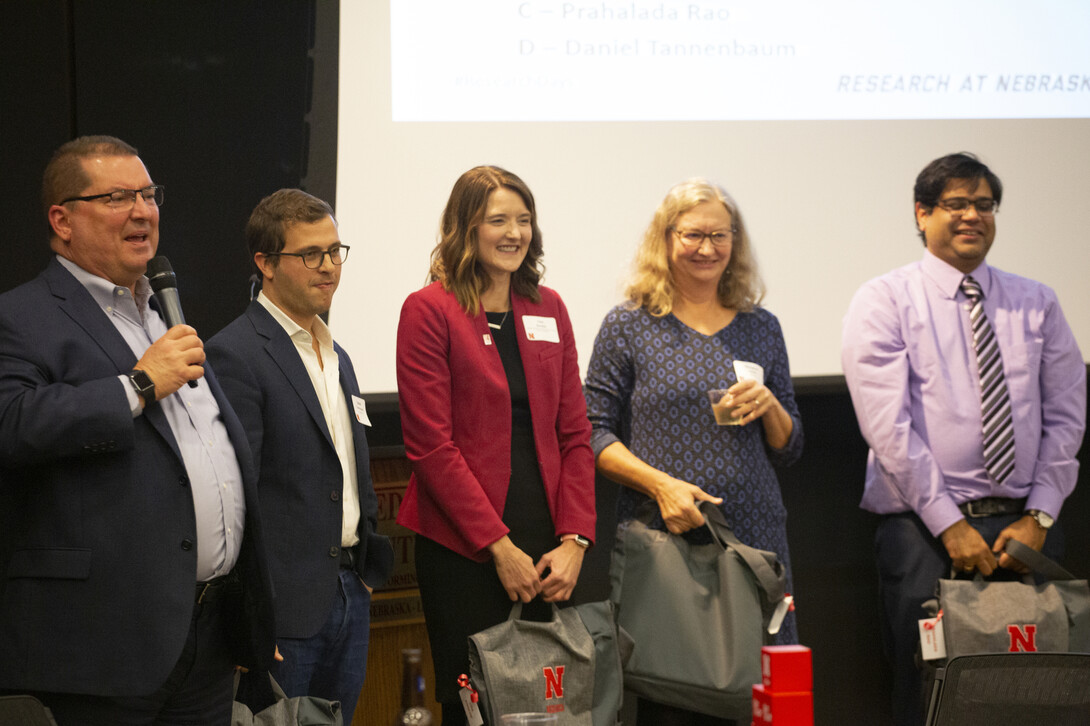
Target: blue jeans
(910, 564)
(333, 662)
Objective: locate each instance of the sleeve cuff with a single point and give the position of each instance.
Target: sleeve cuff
(130, 395)
(600, 439)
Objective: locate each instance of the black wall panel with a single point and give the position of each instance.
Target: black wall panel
(214, 95)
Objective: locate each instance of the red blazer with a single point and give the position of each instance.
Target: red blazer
(456, 421)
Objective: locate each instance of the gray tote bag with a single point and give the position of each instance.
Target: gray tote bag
(696, 613)
(524, 666)
(982, 616)
(298, 711)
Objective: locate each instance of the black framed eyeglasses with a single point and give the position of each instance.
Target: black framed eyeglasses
(125, 199)
(985, 206)
(693, 238)
(313, 259)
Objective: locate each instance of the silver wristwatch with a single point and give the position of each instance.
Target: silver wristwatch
(579, 540)
(1043, 519)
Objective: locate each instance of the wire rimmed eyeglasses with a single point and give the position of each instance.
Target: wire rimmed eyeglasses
(985, 206)
(692, 238)
(125, 199)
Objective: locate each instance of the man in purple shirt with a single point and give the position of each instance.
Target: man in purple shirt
(912, 370)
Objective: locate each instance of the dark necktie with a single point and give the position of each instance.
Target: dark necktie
(995, 403)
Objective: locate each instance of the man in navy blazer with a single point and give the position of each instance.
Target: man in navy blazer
(295, 390)
(132, 572)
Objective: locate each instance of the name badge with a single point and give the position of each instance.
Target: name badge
(361, 410)
(932, 640)
(540, 328)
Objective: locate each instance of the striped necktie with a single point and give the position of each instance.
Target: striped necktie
(995, 403)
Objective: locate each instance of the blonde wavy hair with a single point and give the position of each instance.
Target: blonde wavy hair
(652, 283)
(454, 261)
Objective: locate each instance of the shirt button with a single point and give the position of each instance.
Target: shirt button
(187, 545)
(335, 496)
(334, 551)
(183, 480)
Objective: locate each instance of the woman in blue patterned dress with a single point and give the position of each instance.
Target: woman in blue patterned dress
(692, 311)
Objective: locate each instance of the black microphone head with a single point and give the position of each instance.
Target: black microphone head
(160, 274)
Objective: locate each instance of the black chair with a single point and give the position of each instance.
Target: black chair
(1012, 689)
(24, 711)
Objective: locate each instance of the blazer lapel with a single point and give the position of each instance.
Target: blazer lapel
(281, 349)
(75, 302)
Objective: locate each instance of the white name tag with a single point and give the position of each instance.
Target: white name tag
(780, 613)
(361, 410)
(932, 641)
(473, 714)
(540, 328)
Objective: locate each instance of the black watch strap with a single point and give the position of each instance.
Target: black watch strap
(144, 386)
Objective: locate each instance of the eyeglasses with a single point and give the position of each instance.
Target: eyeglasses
(957, 206)
(693, 239)
(313, 259)
(125, 199)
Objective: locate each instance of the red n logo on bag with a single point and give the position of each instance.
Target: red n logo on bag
(1023, 638)
(554, 682)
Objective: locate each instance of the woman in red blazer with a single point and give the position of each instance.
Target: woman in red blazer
(492, 412)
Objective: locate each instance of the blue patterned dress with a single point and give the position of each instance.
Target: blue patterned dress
(647, 386)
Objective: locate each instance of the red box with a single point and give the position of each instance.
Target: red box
(782, 709)
(787, 668)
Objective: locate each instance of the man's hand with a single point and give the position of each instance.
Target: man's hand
(173, 360)
(1025, 530)
(967, 549)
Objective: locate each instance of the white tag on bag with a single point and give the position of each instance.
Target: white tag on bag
(932, 641)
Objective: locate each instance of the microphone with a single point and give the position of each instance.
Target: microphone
(164, 284)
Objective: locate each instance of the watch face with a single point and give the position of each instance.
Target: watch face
(143, 384)
(1043, 519)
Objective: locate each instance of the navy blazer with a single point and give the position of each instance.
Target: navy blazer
(299, 475)
(98, 553)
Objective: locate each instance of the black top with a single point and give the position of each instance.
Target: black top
(526, 510)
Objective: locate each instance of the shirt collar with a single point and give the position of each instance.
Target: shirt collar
(948, 278)
(104, 292)
(292, 328)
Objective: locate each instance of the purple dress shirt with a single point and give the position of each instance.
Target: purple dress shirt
(908, 358)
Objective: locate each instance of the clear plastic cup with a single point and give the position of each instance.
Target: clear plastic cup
(529, 719)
